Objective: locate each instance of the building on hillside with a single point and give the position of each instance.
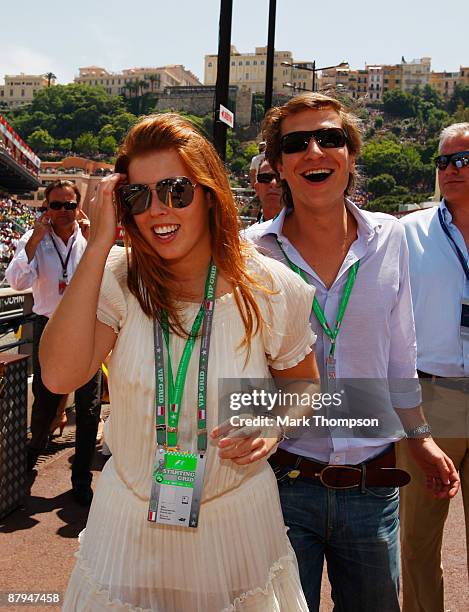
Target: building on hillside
(21, 88)
(200, 101)
(444, 82)
(416, 72)
(248, 69)
(137, 80)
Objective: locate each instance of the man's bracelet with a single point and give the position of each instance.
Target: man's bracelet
(419, 432)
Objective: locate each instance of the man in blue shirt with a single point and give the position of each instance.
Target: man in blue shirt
(438, 239)
(365, 330)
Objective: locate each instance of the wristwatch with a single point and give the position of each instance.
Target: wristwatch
(419, 432)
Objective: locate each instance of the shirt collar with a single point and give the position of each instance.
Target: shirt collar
(447, 216)
(73, 236)
(368, 223)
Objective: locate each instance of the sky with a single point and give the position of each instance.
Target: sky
(58, 36)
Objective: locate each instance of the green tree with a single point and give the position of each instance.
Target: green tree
(121, 124)
(379, 122)
(87, 144)
(108, 145)
(399, 104)
(66, 111)
(64, 144)
(460, 97)
(40, 141)
(383, 184)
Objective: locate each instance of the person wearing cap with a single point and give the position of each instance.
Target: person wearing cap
(255, 163)
(439, 277)
(339, 488)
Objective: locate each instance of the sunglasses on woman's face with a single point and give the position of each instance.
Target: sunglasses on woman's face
(459, 160)
(175, 192)
(327, 138)
(66, 205)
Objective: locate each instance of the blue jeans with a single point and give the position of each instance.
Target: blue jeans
(357, 534)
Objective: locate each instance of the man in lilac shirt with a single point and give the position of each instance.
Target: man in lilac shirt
(358, 262)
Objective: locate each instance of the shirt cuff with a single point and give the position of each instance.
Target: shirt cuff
(407, 399)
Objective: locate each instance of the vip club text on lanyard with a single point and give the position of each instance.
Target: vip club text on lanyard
(178, 476)
(330, 333)
(464, 325)
(63, 281)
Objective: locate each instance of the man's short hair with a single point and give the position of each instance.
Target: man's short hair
(58, 184)
(272, 131)
(456, 129)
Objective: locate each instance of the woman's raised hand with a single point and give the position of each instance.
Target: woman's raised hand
(245, 444)
(103, 212)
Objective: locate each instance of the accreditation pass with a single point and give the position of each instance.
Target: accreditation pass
(177, 488)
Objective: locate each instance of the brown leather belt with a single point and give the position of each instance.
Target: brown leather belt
(378, 472)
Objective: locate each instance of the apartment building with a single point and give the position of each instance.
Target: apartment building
(248, 69)
(416, 72)
(155, 79)
(20, 89)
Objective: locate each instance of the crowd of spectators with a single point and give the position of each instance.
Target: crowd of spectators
(15, 219)
(360, 197)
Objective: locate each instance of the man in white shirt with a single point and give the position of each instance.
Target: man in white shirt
(46, 259)
(438, 240)
(268, 191)
(339, 491)
(255, 163)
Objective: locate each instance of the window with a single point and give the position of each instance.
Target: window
(248, 63)
(240, 63)
(22, 93)
(247, 76)
(233, 63)
(262, 62)
(254, 63)
(209, 64)
(11, 93)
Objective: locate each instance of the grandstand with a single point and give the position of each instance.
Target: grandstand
(19, 166)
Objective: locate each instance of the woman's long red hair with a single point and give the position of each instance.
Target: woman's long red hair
(149, 280)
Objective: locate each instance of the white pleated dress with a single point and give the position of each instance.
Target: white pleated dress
(239, 557)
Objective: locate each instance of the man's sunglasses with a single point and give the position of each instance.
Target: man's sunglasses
(176, 192)
(459, 160)
(265, 177)
(327, 138)
(59, 205)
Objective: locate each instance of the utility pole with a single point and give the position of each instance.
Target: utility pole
(269, 69)
(223, 75)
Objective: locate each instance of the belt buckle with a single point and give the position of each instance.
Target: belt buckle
(320, 475)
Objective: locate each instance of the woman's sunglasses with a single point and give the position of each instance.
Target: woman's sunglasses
(175, 192)
(327, 138)
(59, 205)
(459, 160)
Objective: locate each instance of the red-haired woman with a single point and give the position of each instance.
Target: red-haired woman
(183, 284)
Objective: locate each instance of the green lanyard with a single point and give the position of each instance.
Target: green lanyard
(168, 436)
(330, 333)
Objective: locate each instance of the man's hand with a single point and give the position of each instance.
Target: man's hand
(41, 228)
(441, 476)
(84, 224)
